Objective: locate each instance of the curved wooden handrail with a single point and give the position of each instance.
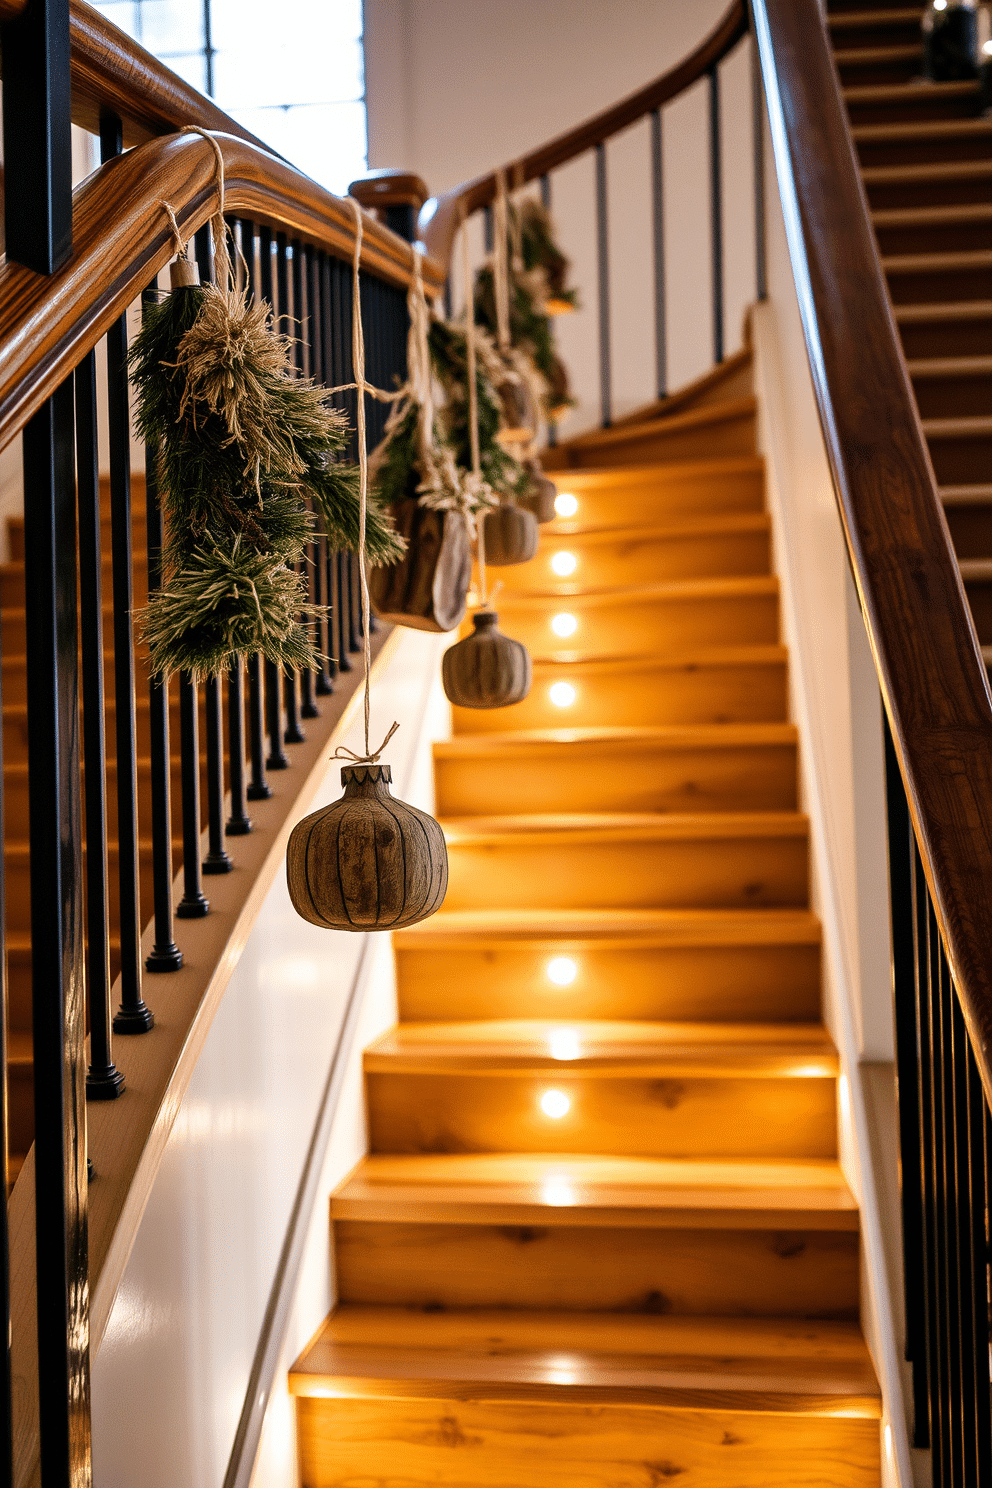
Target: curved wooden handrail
(440, 216)
(121, 238)
(929, 663)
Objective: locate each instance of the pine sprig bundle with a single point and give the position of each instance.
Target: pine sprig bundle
(242, 442)
(449, 357)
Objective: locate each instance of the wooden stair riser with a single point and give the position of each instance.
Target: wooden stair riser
(971, 526)
(923, 283)
(969, 139)
(734, 983)
(960, 233)
(646, 498)
(971, 182)
(456, 1441)
(12, 583)
(20, 1107)
(645, 625)
(953, 334)
(868, 25)
(15, 532)
(19, 985)
(979, 592)
(16, 798)
(556, 871)
(640, 1115)
(18, 884)
(963, 394)
(694, 1271)
(609, 562)
(569, 778)
(961, 458)
(885, 61)
(645, 695)
(725, 438)
(912, 104)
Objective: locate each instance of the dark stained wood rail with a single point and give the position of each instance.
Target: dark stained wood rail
(122, 238)
(440, 216)
(929, 664)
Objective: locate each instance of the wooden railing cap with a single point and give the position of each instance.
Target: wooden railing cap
(390, 188)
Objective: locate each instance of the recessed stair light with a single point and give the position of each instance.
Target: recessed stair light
(562, 970)
(564, 625)
(562, 694)
(564, 564)
(566, 505)
(556, 1104)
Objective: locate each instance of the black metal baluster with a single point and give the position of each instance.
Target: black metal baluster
(978, 1116)
(239, 822)
(217, 860)
(258, 788)
(165, 954)
(194, 904)
(488, 236)
(57, 970)
(941, 1285)
(966, 1266)
(6, 1370)
(133, 1016)
(658, 230)
(304, 365)
(952, 1237)
(103, 1080)
(37, 190)
(603, 280)
(716, 211)
(925, 1081)
(545, 184)
(758, 132)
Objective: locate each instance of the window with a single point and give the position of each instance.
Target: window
(300, 88)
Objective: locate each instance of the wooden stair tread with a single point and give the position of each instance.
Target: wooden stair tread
(922, 91)
(922, 129)
(949, 310)
(929, 170)
(683, 927)
(711, 656)
(693, 1050)
(709, 524)
(662, 472)
(932, 216)
(949, 428)
(966, 366)
(915, 263)
(624, 826)
(704, 1363)
(582, 1190)
(617, 739)
(977, 495)
(856, 19)
(20, 1051)
(689, 394)
(744, 586)
(979, 569)
(694, 418)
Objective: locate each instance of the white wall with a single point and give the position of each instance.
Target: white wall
(170, 1376)
(456, 87)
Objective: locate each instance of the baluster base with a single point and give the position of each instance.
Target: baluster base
(192, 907)
(104, 1084)
(164, 958)
(238, 826)
(217, 863)
(137, 1019)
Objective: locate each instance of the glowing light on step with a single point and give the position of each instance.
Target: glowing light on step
(562, 970)
(562, 694)
(566, 505)
(564, 564)
(557, 1191)
(889, 1449)
(556, 1104)
(564, 1043)
(987, 48)
(564, 625)
(940, 4)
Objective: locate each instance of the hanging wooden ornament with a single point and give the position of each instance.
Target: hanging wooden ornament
(368, 861)
(487, 669)
(428, 587)
(541, 495)
(510, 535)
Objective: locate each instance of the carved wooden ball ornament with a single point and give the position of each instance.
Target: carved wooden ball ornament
(487, 669)
(541, 497)
(367, 862)
(510, 536)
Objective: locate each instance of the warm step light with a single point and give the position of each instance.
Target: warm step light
(562, 970)
(562, 694)
(564, 564)
(564, 1043)
(566, 505)
(555, 1103)
(564, 625)
(558, 1192)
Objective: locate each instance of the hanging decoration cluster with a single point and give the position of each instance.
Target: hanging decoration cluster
(247, 452)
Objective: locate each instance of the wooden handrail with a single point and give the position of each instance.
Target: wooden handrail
(929, 662)
(440, 216)
(122, 238)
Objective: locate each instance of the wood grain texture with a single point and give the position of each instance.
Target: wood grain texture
(511, 536)
(487, 669)
(933, 679)
(427, 588)
(440, 216)
(121, 238)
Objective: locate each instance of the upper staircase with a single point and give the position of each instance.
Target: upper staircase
(601, 1235)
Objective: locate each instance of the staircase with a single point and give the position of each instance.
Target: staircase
(926, 163)
(601, 1235)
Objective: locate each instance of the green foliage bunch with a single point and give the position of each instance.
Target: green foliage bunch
(449, 358)
(247, 452)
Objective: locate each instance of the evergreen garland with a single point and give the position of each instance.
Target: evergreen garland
(449, 357)
(241, 442)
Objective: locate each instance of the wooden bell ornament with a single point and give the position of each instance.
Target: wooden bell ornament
(426, 589)
(510, 536)
(540, 497)
(367, 862)
(487, 669)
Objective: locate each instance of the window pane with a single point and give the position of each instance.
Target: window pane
(294, 71)
(238, 25)
(327, 141)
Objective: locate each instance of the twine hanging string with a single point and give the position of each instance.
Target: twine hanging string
(473, 406)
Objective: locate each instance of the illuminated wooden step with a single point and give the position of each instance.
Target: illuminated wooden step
(701, 547)
(646, 618)
(640, 495)
(715, 767)
(645, 1089)
(532, 1398)
(726, 684)
(725, 429)
(720, 861)
(637, 1235)
(733, 965)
